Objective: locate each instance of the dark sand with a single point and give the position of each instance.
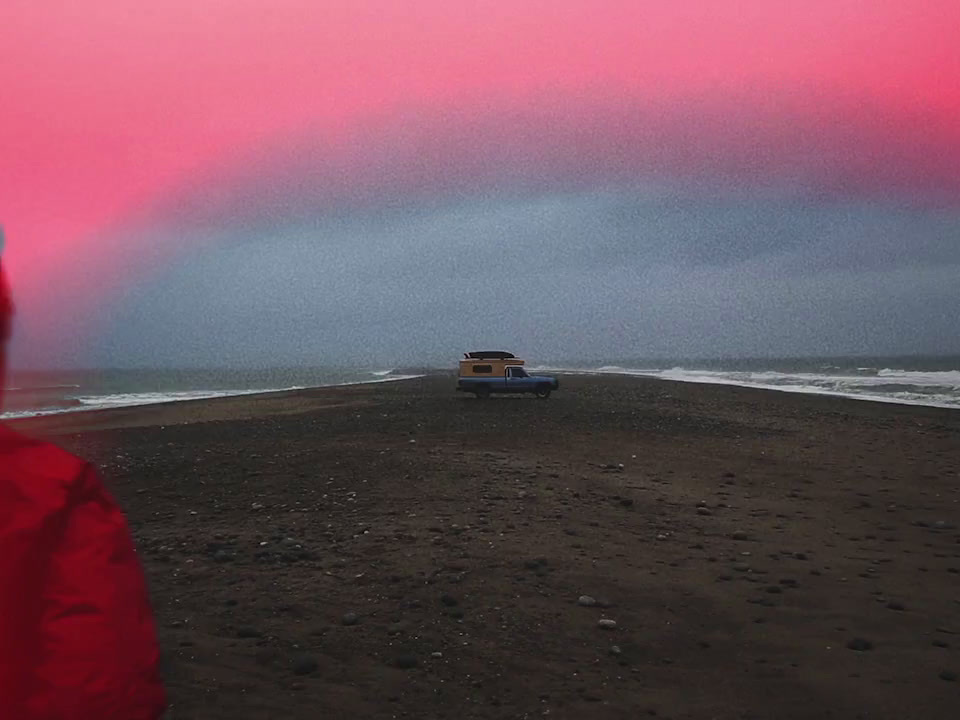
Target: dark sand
(749, 537)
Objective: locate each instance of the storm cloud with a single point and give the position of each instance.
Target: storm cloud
(639, 271)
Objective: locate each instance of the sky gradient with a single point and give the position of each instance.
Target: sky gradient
(640, 155)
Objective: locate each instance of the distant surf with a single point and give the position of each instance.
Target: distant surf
(101, 390)
(927, 387)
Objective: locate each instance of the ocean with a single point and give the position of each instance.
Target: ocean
(43, 393)
(929, 381)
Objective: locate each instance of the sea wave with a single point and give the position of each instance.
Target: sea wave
(118, 400)
(905, 387)
(41, 388)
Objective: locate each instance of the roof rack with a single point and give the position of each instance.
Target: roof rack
(489, 355)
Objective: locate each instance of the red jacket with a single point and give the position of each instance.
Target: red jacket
(76, 632)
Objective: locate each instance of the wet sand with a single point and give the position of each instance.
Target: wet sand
(398, 550)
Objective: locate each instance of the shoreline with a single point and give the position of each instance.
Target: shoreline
(220, 407)
(756, 386)
(219, 395)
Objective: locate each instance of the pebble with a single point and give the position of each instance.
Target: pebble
(739, 535)
(606, 624)
(586, 601)
(449, 600)
(350, 619)
(704, 511)
(398, 627)
(304, 665)
(895, 606)
(948, 676)
(860, 645)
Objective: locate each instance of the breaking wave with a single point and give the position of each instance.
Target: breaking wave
(135, 399)
(909, 387)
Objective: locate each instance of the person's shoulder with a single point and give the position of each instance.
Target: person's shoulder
(26, 460)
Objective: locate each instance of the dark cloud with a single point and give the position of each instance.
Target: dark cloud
(641, 271)
(847, 149)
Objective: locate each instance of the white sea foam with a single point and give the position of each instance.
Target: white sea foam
(42, 388)
(906, 387)
(104, 402)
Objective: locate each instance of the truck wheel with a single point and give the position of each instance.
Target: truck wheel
(482, 392)
(543, 391)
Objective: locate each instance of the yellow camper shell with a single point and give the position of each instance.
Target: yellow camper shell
(487, 364)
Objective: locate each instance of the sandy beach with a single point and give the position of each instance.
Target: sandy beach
(628, 548)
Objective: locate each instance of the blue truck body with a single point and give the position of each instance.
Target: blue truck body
(513, 380)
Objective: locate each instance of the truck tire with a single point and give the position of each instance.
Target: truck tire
(482, 392)
(543, 391)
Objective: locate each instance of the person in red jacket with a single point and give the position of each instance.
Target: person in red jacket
(77, 637)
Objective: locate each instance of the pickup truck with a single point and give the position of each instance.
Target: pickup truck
(513, 380)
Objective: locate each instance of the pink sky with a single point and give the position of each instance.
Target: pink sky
(111, 107)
